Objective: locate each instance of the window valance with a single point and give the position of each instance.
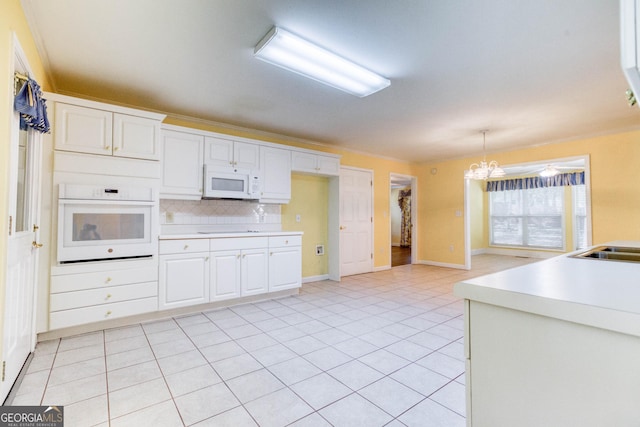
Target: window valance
(572, 178)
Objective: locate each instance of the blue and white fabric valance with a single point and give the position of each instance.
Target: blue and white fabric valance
(573, 178)
(32, 107)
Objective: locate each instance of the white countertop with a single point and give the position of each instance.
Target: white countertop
(227, 234)
(593, 292)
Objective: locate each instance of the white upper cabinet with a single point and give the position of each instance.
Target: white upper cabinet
(315, 163)
(227, 153)
(182, 165)
(90, 130)
(136, 137)
(276, 175)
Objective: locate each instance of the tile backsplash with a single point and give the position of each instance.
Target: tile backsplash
(218, 215)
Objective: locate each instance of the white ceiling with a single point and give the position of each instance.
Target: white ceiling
(531, 71)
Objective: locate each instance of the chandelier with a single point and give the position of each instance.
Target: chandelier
(484, 170)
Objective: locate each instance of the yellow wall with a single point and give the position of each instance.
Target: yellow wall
(615, 193)
(309, 199)
(12, 21)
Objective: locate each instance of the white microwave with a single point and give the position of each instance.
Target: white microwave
(231, 183)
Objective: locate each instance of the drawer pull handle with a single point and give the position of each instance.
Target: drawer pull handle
(108, 313)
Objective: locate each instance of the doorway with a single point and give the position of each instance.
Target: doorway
(402, 219)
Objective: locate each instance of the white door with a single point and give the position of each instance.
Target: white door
(19, 339)
(356, 221)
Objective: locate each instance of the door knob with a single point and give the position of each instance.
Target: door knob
(36, 244)
(342, 228)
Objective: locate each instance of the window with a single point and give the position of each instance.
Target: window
(532, 218)
(579, 216)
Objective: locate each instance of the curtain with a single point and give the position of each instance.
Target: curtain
(404, 201)
(573, 178)
(32, 107)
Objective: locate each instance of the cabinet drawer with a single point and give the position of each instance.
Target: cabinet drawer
(284, 241)
(105, 295)
(81, 316)
(183, 246)
(238, 243)
(82, 281)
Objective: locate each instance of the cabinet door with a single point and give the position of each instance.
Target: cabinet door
(304, 162)
(285, 268)
(276, 175)
(184, 280)
(225, 275)
(82, 129)
(246, 156)
(218, 152)
(182, 165)
(328, 165)
(254, 277)
(136, 137)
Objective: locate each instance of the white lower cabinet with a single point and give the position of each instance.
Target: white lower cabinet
(225, 275)
(184, 273)
(81, 295)
(232, 268)
(285, 262)
(184, 280)
(239, 271)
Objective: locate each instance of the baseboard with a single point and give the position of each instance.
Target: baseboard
(381, 268)
(443, 264)
(521, 253)
(478, 251)
(318, 278)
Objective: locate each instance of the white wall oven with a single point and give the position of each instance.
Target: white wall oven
(103, 223)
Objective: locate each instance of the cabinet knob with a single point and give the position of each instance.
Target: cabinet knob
(108, 296)
(238, 256)
(116, 148)
(107, 147)
(186, 247)
(286, 242)
(270, 253)
(108, 313)
(206, 259)
(108, 279)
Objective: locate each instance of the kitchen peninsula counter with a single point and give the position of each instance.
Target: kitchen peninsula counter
(554, 343)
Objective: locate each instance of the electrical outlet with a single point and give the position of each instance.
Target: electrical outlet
(169, 217)
(450, 248)
(319, 250)
(298, 218)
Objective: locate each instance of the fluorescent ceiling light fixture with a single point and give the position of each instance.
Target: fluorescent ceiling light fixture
(288, 51)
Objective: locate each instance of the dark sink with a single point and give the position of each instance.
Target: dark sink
(611, 253)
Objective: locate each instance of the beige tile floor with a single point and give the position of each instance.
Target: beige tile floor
(376, 349)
